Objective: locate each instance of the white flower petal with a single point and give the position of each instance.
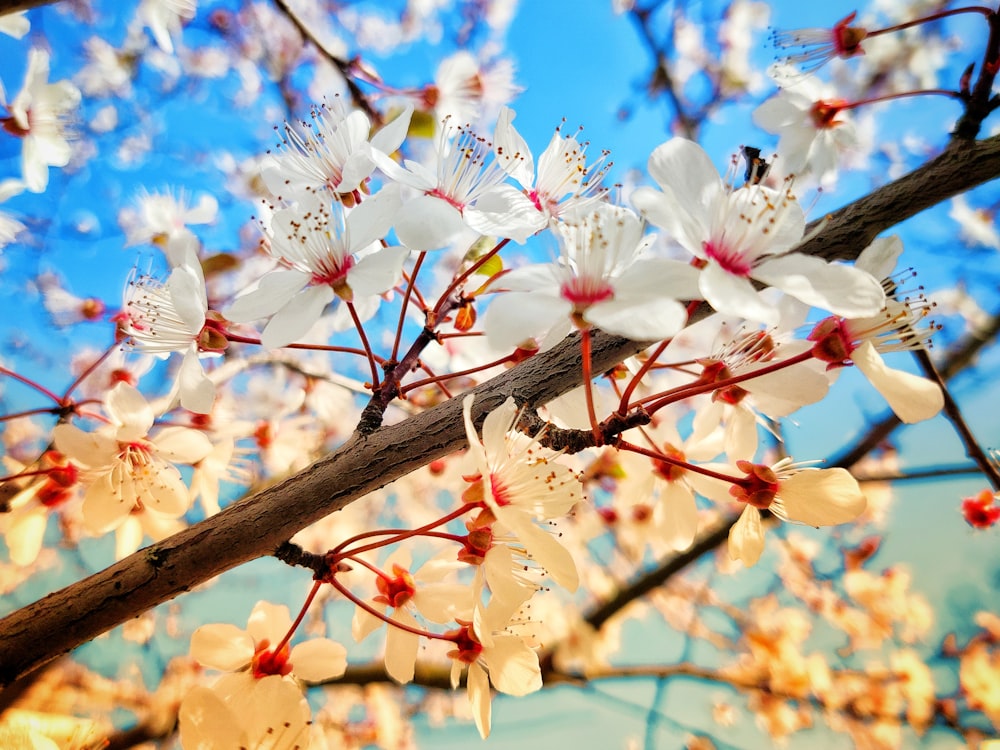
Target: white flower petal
(318, 659)
(822, 497)
(842, 290)
(294, 320)
(910, 396)
(222, 646)
(746, 537)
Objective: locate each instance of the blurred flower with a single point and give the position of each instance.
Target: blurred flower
(128, 472)
(163, 19)
(977, 226)
(38, 115)
(813, 128)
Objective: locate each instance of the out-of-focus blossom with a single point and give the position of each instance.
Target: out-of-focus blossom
(977, 226)
(164, 18)
(38, 115)
(814, 129)
(9, 226)
(162, 218)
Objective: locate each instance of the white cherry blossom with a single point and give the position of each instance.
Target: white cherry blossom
(38, 115)
(601, 279)
(261, 649)
(564, 183)
(744, 235)
(333, 153)
(811, 496)
(161, 319)
(131, 473)
(814, 128)
(520, 484)
(330, 255)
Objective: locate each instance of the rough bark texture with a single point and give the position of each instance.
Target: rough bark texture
(255, 526)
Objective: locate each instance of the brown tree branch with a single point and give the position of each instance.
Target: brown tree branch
(257, 525)
(13, 6)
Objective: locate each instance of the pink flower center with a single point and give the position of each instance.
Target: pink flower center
(449, 199)
(582, 292)
(731, 261)
(467, 647)
(334, 275)
(824, 113)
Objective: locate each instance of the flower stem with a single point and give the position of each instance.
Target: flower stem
(406, 301)
(661, 400)
(364, 343)
(298, 620)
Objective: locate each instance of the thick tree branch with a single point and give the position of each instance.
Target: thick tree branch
(13, 6)
(256, 526)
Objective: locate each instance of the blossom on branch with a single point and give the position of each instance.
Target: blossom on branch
(131, 475)
(816, 497)
(743, 235)
(602, 279)
(325, 254)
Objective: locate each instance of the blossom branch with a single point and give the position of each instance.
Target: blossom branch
(258, 525)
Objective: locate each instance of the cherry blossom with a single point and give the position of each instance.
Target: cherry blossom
(743, 235)
(266, 714)
(38, 115)
(164, 318)
(408, 593)
(519, 485)
(819, 45)
(505, 661)
(328, 256)
(602, 279)
(163, 19)
(9, 226)
(814, 128)
(262, 649)
(128, 472)
(463, 169)
(564, 183)
(333, 154)
(162, 218)
(862, 341)
(816, 497)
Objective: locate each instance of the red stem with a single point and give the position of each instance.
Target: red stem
(627, 446)
(467, 273)
(308, 347)
(364, 343)
(87, 372)
(387, 620)
(298, 620)
(460, 373)
(31, 384)
(693, 390)
(401, 533)
(987, 12)
(588, 385)
(406, 301)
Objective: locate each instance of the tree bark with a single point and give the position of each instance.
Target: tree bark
(255, 526)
